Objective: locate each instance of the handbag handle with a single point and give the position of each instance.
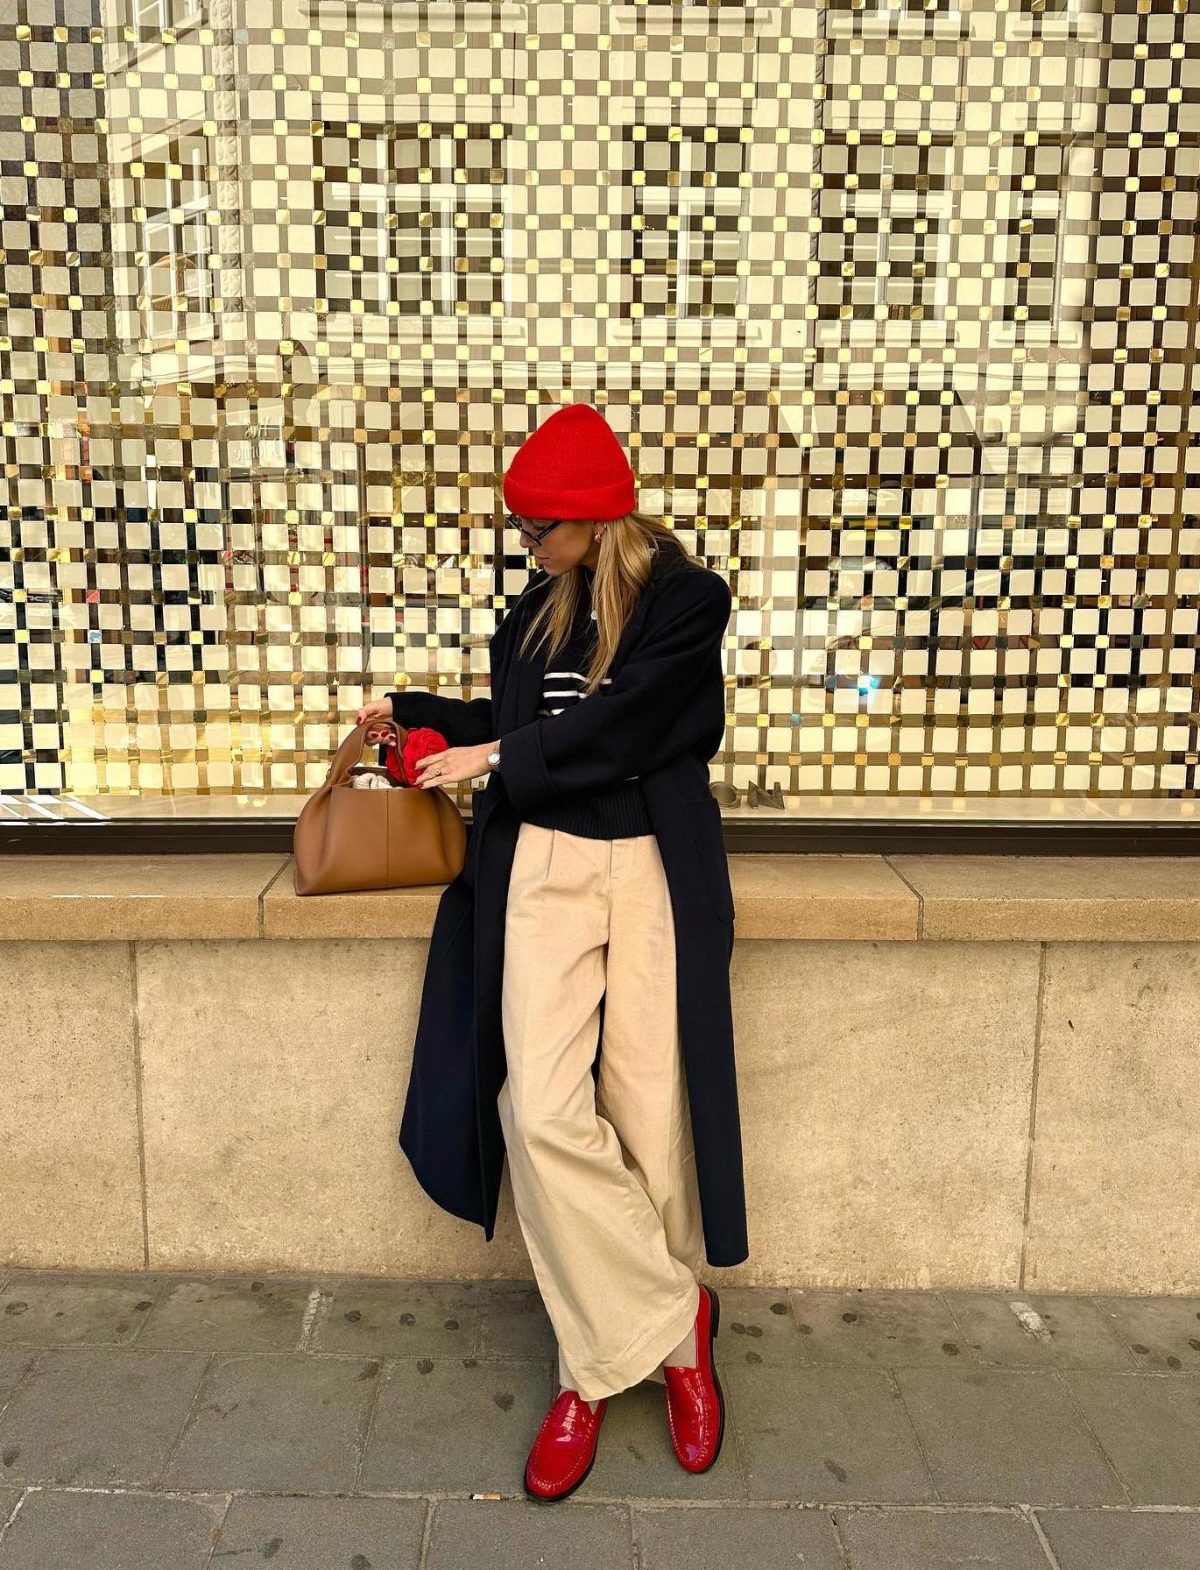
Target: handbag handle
(351, 750)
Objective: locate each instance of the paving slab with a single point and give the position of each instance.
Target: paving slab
(228, 1314)
(1122, 1539)
(289, 1421)
(886, 1538)
(288, 1532)
(97, 1415)
(886, 1328)
(1149, 1428)
(110, 1531)
(1006, 1435)
(14, 1365)
(523, 1534)
(759, 1537)
(398, 1318)
(70, 1529)
(53, 1308)
(514, 1322)
(1162, 1333)
(813, 1434)
(1038, 1330)
(760, 1327)
(455, 1425)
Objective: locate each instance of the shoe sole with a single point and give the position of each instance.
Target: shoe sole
(554, 1499)
(712, 1363)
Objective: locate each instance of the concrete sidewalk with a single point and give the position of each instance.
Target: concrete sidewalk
(179, 1421)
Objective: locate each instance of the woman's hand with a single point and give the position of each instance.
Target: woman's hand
(452, 765)
(380, 709)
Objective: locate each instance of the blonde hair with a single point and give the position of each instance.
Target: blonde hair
(627, 548)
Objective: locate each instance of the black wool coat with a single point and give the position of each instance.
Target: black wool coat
(663, 718)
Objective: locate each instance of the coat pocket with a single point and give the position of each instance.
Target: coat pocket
(704, 815)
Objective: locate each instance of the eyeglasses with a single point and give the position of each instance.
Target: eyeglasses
(530, 537)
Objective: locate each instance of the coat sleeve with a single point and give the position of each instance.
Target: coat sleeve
(644, 718)
(464, 722)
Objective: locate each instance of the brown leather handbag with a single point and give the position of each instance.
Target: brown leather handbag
(347, 839)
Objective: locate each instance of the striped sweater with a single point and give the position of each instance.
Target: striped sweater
(618, 810)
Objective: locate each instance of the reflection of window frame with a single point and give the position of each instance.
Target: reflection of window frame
(186, 214)
(1051, 202)
(891, 10)
(159, 14)
(876, 203)
(1058, 19)
(443, 198)
(146, 21)
(684, 198)
(355, 191)
(1030, 526)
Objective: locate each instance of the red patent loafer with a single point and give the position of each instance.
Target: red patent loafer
(695, 1400)
(565, 1447)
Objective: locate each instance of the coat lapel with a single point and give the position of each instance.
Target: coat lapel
(521, 695)
(517, 687)
(526, 687)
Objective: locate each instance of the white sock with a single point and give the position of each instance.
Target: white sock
(592, 1405)
(685, 1354)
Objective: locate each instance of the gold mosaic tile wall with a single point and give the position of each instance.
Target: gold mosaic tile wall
(893, 305)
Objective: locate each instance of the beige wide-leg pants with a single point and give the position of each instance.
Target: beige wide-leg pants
(603, 1174)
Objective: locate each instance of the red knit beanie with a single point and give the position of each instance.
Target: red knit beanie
(572, 466)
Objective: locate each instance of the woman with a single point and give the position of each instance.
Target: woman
(594, 908)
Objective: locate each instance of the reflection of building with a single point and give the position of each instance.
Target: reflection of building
(889, 291)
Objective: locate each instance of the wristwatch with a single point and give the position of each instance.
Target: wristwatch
(493, 757)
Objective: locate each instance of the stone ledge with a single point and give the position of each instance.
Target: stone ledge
(106, 898)
(848, 897)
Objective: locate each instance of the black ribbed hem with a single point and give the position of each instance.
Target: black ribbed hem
(612, 814)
